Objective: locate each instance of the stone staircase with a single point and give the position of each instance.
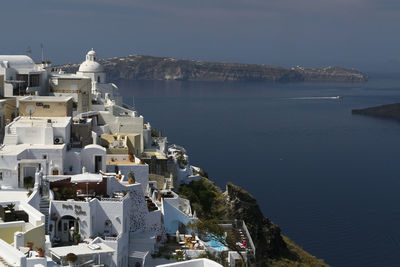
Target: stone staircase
(44, 209)
(3, 262)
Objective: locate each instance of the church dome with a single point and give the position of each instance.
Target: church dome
(90, 64)
(92, 52)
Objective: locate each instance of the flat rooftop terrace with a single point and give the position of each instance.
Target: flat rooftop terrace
(40, 121)
(8, 194)
(122, 163)
(68, 76)
(149, 154)
(81, 249)
(56, 99)
(17, 149)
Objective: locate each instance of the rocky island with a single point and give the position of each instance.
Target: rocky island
(138, 67)
(389, 111)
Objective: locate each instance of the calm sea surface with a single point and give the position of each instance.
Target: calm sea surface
(329, 179)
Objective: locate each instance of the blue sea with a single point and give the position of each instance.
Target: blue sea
(329, 179)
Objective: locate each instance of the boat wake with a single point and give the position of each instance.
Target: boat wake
(316, 97)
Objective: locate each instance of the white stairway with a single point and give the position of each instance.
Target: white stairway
(44, 209)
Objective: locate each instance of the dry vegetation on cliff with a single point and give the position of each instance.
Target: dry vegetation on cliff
(272, 248)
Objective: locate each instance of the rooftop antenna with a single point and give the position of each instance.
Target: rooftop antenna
(41, 48)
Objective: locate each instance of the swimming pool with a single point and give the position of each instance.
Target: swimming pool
(217, 245)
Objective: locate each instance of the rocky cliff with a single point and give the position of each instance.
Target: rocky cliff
(138, 67)
(265, 234)
(272, 248)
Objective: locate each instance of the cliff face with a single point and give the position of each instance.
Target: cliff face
(162, 68)
(331, 74)
(265, 234)
(272, 249)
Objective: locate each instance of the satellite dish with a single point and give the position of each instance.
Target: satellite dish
(30, 110)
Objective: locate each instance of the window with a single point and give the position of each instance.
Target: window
(34, 80)
(97, 163)
(44, 157)
(98, 79)
(1, 176)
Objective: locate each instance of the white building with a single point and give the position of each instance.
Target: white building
(86, 160)
(102, 209)
(100, 88)
(31, 144)
(19, 75)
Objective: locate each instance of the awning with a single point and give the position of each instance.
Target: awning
(81, 249)
(87, 177)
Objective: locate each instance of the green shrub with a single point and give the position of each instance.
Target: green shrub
(205, 198)
(28, 182)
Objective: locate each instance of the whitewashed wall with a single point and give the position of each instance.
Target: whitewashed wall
(141, 173)
(88, 154)
(172, 215)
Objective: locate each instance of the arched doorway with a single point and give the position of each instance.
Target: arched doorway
(66, 227)
(55, 171)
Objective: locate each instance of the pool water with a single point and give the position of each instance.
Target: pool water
(217, 245)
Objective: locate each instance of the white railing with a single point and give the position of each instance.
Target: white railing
(10, 254)
(249, 238)
(110, 238)
(35, 217)
(111, 199)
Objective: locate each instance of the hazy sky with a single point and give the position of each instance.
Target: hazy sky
(353, 33)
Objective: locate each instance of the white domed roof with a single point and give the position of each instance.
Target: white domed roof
(90, 64)
(18, 62)
(91, 52)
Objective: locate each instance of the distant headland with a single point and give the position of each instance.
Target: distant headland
(137, 67)
(390, 111)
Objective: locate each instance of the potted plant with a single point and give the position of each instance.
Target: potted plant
(29, 192)
(29, 245)
(40, 252)
(71, 258)
(11, 207)
(9, 213)
(131, 179)
(77, 238)
(54, 217)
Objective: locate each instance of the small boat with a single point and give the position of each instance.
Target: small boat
(318, 97)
